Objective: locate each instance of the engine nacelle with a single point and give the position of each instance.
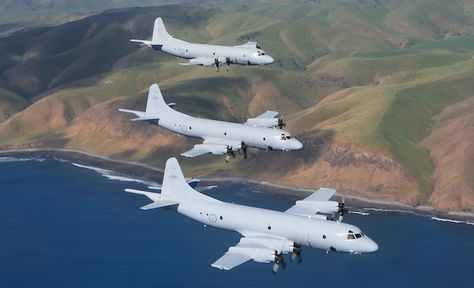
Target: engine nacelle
(263, 122)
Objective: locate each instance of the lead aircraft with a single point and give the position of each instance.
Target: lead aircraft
(249, 53)
(266, 234)
(220, 138)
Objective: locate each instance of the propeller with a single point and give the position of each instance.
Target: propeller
(279, 262)
(229, 152)
(296, 255)
(227, 61)
(281, 123)
(216, 63)
(342, 209)
(244, 147)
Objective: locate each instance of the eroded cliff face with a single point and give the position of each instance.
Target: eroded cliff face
(452, 147)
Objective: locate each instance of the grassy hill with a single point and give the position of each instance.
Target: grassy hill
(377, 91)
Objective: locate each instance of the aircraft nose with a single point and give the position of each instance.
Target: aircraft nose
(269, 59)
(371, 246)
(297, 145)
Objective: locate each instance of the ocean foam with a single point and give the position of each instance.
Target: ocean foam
(205, 188)
(360, 213)
(452, 220)
(115, 176)
(15, 159)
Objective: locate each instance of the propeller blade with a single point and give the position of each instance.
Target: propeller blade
(281, 123)
(244, 147)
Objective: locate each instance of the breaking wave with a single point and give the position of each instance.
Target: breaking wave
(452, 220)
(115, 176)
(359, 213)
(15, 159)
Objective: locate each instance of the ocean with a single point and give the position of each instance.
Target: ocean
(66, 225)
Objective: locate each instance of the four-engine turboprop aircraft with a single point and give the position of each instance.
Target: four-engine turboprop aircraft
(249, 53)
(220, 138)
(266, 234)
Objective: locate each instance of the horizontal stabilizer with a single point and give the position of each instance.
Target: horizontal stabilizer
(136, 113)
(146, 118)
(157, 199)
(159, 204)
(142, 42)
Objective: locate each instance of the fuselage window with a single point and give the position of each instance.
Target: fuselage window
(221, 218)
(269, 227)
(186, 50)
(213, 53)
(190, 128)
(264, 139)
(225, 133)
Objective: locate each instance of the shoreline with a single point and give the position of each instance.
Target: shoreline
(150, 173)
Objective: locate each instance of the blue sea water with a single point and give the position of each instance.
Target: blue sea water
(65, 226)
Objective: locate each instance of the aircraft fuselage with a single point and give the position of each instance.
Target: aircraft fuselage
(314, 233)
(257, 137)
(236, 55)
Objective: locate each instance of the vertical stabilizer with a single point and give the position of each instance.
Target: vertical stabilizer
(156, 105)
(160, 35)
(174, 185)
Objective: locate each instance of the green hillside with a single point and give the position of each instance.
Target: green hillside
(362, 83)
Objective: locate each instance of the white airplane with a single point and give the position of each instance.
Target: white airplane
(266, 234)
(220, 138)
(249, 53)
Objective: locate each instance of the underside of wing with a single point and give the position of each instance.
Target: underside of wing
(201, 149)
(259, 248)
(200, 61)
(230, 260)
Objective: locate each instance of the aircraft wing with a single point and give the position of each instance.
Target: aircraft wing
(259, 248)
(249, 44)
(205, 148)
(266, 119)
(200, 61)
(268, 114)
(323, 194)
(216, 146)
(316, 203)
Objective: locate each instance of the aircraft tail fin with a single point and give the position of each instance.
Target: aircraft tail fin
(160, 35)
(174, 184)
(174, 190)
(155, 104)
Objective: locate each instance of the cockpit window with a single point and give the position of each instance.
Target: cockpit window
(288, 137)
(351, 235)
(263, 53)
(283, 138)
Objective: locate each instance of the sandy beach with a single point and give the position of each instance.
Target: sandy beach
(154, 174)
